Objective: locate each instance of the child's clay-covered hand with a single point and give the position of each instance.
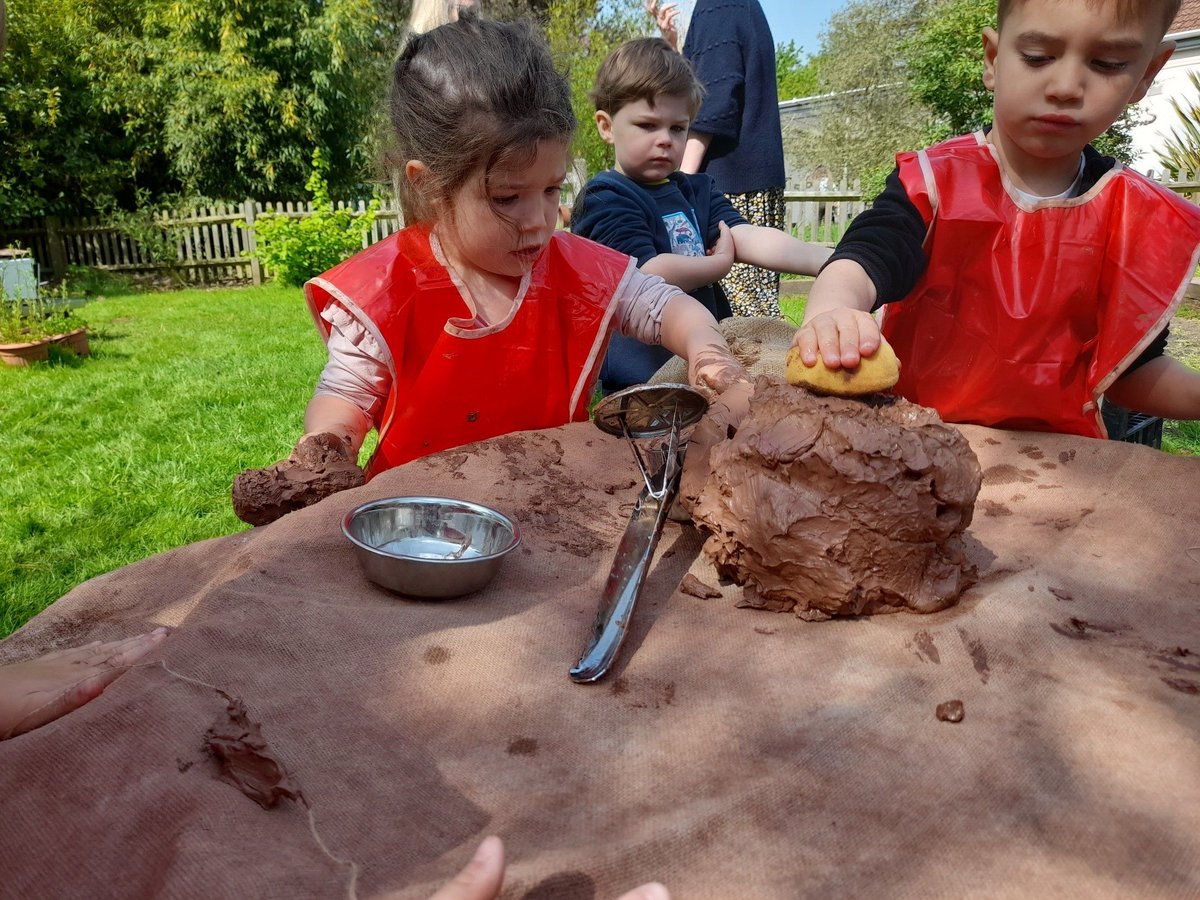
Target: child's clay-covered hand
(841, 336)
(320, 465)
(721, 420)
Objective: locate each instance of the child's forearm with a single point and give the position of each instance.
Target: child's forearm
(689, 330)
(838, 326)
(770, 248)
(843, 284)
(687, 272)
(1162, 387)
(326, 413)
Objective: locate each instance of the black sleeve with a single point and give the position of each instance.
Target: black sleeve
(886, 240)
(1157, 348)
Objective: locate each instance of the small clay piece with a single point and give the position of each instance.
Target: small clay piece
(950, 711)
(874, 373)
(828, 506)
(694, 587)
(245, 760)
(321, 464)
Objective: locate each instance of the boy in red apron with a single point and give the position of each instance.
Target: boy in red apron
(1020, 279)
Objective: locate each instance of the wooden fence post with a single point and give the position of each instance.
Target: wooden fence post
(54, 246)
(251, 244)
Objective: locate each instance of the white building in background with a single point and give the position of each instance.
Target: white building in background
(1172, 82)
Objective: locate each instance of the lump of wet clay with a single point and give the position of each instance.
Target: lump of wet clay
(321, 464)
(950, 711)
(877, 372)
(694, 587)
(825, 505)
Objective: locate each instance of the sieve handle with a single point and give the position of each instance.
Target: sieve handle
(629, 568)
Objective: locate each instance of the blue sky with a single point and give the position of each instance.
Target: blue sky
(800, 20)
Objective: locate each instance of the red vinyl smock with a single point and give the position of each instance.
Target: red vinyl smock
(455, 381)
(1026, 314)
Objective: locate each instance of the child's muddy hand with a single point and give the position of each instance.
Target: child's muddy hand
(713, 369)
(315, 451)
(840, 337)
(320, 465)
(720, 422)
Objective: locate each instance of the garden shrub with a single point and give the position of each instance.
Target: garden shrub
(297, 249)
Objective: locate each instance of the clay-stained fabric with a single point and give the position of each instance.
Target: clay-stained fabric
(733, 753)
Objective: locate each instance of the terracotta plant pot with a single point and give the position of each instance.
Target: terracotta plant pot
(76, 341)
(25, 353)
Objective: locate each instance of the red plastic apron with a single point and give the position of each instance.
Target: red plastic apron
(1025, 315)
(454, 382)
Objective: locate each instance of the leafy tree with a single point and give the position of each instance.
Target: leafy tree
(66, 146)
(871, 114)
(581, 33)
(795, 76)
(945, 66)
(944, 59)
(255, 86)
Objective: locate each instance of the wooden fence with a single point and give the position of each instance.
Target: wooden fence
(213, 244)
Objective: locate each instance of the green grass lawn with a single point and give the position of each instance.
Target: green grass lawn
(110, 459)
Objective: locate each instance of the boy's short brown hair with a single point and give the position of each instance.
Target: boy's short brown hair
(642, 69)
(1126, 9)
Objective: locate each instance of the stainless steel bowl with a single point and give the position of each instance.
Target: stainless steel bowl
(430, 546)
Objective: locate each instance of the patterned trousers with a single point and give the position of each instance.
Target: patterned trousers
(753, 291)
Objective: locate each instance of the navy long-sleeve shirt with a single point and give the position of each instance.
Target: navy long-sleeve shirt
(729, 44)
(681, 215)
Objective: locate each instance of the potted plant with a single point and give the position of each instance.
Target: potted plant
(65, 329)
(23, 340)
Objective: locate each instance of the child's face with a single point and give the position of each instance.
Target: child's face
(1062, 72)
(501, 232)
(648, 139)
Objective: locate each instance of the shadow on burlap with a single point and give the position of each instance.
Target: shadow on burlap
(732, 752)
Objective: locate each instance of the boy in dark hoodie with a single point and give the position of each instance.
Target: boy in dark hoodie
(675, 225)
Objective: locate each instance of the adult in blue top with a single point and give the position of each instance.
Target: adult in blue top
(736, 136)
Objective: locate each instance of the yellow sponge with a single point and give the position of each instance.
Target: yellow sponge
(877, 372)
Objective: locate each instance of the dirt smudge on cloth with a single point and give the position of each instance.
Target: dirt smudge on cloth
(926, 648)
(1008, 474)
(435, 656)
(1082, 630)
(522, 746)
(979, 654)
(244, 759)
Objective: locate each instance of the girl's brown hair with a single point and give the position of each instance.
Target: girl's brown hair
(468, 94)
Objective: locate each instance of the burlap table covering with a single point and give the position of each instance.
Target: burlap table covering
(732, 752)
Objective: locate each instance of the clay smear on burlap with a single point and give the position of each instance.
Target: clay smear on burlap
(830, 506)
